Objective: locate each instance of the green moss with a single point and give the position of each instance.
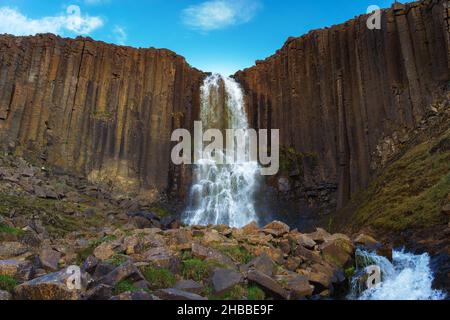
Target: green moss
(237, 253)
(10, 230)
(8, 283)
(238, 292)
(195, 269)
(124, 286)
(198, 270)
(118, 260)
(158, 278)
(56, 222)
(255, 293)
(349, 272)
(409, 194)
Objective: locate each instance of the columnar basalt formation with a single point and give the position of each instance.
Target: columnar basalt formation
(100, 110)
(350, 94)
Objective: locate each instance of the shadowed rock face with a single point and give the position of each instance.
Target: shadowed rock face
(350, 94)
(100, 110)
(347, 95)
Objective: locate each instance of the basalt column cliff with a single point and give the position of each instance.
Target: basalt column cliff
(100, 110)
(350, 95)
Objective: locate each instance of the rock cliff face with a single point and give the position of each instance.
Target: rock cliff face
(349, 94)
(100, 110)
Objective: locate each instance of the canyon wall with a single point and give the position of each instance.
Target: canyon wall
(351, 95)
(99, 110)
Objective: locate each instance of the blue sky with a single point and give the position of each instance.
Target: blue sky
(214, 35)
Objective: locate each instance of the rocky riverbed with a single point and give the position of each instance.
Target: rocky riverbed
(127, 249)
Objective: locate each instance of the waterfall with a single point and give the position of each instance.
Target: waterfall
(223, 193)
(408, 277)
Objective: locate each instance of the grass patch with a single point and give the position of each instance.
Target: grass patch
(409, 194)
(56, 222)
(238, 292)
(255, 293)
(118, 260)
(237, 253)
(8, 283)
(124, 286)
(10, 230)
(197, 269)
(158, 278)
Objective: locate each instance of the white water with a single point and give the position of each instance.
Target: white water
(409, 277)
(222, 194)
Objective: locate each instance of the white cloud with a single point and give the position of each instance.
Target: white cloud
(120, 34)
(219, 14)
(12, 21)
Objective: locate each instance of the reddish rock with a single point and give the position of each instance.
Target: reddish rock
(268, 284)
(87, 104)
(225, 279)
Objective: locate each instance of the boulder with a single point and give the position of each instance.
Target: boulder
(178, 295)
(366, 241)
(102, 269)
(224, 280)
(161, 257)
(319, 235)
(274, 253)
(212, 236)
(323, 276)
(53, 286)
(189, 286)
(338, 250)
(49, 259)
(10, 250)
(302, 240)
(107, 250)
(293, 263)
(268, 284)
(308, 255)
(298, 285)
(123, 272)
(20, 270)
(99, 292)
(132, 245)
(250, 228)
(276, 228)
(262, 263)
(205, 253)
(5, 296)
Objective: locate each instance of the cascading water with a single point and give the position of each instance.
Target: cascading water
(409, 277)
(223, 193)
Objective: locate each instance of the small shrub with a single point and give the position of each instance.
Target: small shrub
(7, 283)
(195, 269)
(124, 286)
(158, 278)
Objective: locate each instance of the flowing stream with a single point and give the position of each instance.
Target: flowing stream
(223, 193)
(408, 277)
